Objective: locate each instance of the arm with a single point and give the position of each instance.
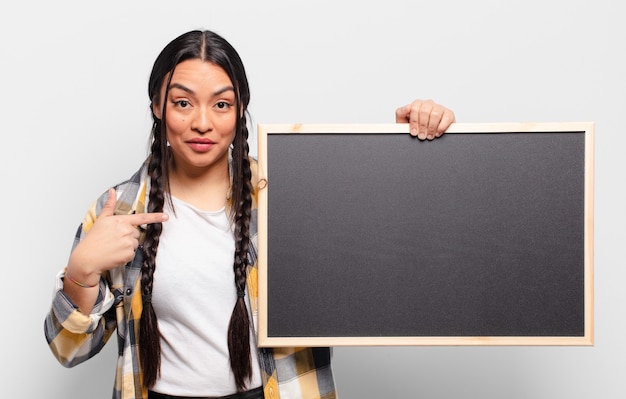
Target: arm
(72, 335)
(82, 317)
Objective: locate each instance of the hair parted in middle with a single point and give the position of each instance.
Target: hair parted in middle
(209, 47)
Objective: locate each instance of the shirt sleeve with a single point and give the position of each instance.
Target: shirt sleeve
(68, 314)
(73, 336)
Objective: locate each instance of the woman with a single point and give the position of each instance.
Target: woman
(183, 328)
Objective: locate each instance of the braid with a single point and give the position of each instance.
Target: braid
(149, 337)
(239, 327)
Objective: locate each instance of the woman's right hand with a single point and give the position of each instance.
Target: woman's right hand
(111, 242)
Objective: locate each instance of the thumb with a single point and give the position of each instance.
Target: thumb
(109, 206)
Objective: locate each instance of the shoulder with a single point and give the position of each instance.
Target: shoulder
(130, 199)
(129, 193)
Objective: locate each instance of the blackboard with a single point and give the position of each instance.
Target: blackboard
(369, 236)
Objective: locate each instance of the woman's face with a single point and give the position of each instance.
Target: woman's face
(200, 115)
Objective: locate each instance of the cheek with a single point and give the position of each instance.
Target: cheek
(175, 126)
(227, 125)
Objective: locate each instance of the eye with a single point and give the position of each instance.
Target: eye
(181, 103)
(222, 105)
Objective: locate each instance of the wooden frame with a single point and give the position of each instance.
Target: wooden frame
(563, 200)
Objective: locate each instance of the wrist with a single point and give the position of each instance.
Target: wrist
(84, 280)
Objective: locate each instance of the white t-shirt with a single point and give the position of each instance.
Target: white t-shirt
(193, 296)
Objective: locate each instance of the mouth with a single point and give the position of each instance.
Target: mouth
(200, 144)
(200, 140)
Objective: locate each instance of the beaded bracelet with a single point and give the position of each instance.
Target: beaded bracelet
(78, 283)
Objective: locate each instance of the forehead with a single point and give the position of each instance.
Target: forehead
(195, 74)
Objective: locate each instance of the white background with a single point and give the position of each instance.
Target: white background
(75, 120)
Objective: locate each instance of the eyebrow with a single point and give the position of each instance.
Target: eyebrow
(188, 90)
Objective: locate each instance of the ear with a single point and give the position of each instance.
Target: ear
(156, 110)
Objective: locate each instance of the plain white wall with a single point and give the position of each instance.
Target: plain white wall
(74, 114)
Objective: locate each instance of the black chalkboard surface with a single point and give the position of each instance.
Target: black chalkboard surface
(368, 236)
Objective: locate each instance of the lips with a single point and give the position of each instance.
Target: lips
(200, 144)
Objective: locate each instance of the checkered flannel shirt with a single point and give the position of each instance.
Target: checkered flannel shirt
(73, 337)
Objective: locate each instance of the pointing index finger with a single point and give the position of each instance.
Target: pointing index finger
(139, 219)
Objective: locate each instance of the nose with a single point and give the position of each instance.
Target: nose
(202, 122)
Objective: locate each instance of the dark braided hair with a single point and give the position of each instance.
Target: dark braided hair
(210, 47)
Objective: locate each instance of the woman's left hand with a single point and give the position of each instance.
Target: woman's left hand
(426, 118)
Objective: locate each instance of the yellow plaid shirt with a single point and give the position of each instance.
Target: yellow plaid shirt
(73, 337)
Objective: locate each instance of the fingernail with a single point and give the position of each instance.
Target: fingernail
(413, 132)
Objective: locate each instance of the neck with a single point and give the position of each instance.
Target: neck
(205, 189)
